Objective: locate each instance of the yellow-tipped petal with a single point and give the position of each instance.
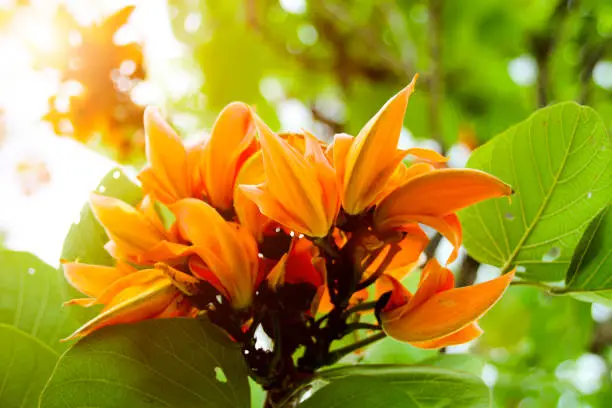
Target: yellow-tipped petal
(232, 142)
(438, 193)
(305, 180)
(93, 280)
(133, 304)
(227, 250)
(444, 313)
(373, 156)
(166, 177)
(127, 227)
(426, 154)
(249, 215)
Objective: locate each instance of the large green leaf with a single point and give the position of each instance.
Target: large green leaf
(25, 366)
(85, 240)
(558, 162)
(423, 386)
(590, 274)
(32, 297)
(179, 363)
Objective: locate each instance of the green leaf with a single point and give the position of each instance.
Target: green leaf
(590, 274)
(25, 366)
(179, 363)
(361, 391)
(558, 162)
(423, 386)
(32, 297)
(86, 239)
(462, 362)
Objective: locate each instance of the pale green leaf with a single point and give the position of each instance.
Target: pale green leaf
(182, 363)
(559, 163)
(32, 297)
(25, 366)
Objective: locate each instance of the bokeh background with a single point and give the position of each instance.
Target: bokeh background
(75, 76)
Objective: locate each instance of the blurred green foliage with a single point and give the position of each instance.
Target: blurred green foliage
(479, 60)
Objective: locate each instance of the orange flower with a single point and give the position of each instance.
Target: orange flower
(300, 189)
(168, 175)
(136, 235)
(228, 256)
(438, 315)
(232, 141)
(433, 198)
(207, 170)
(366, 164)
(128, 295)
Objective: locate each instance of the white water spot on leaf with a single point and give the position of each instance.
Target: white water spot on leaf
(552, 254)
(489, 375)
(509, 216)
(31, 271)
(589, 194)
(116, 174)
(101, 189)
(220, 375)
(521, 269)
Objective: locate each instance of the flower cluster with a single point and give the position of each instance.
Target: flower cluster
(283, 232)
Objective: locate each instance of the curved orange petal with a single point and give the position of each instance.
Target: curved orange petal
(249, 215)
(302, 179)
(444, 313)
(93, 280)
(367, 167)
(232, 141)
(438, 193)
(426, 154)
(227, 250)
(434, 279)
(166, 177)
(133, 304)
(465, 335)
(131, 231)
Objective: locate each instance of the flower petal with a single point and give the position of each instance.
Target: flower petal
(465, 335)
(93, 280)
(227, 250)
(444, 313)
(292, 177)
(367, 169)
(247, 210)
(132, 305)
(129, 228)
(166, 177)
(232, 141)
(438, 193)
